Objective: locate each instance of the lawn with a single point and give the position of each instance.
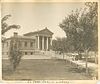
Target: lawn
(39, 69)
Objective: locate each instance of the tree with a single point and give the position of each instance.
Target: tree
(60, 45)
(5, 27)
(70, 25)
(54, 45)
(81, 28)
(15, 53)
(89, 23)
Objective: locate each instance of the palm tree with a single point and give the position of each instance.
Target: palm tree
(5, 27)
(15, 54)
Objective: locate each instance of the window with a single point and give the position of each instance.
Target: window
(25, 53)
(31, 44)
(7, 44)
(25, 44)
(31, 53)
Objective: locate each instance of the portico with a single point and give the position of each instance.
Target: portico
(43, 39)
(31, 42)
(44, 42)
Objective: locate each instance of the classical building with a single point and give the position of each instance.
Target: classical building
(30, 42)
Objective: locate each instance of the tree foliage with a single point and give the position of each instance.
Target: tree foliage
(15, 53)
(81, 27)
(5, 27)
(59, 44)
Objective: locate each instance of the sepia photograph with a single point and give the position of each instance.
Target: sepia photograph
(49, 41)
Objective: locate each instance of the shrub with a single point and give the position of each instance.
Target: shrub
(15, 53)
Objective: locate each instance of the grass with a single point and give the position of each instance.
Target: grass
(53, 69)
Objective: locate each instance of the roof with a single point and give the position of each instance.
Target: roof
(26, 37)
(44, 31)
(22, 37)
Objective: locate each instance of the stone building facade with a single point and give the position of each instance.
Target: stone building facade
(30, 42)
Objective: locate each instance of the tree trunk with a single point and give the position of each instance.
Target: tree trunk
(12, 66)
(86, 52)
(96, 57)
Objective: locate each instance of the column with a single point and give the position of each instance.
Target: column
(47, 43)
(38, 42)
(42, 43)
(51, 41)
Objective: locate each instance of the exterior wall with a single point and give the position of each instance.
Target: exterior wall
(5, 47)
(26, 49)
(28, 46)
(43, 39)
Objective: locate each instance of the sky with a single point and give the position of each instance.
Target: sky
(36, 16)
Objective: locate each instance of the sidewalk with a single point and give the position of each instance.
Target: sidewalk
(79, 63)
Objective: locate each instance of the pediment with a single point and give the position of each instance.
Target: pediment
(43, 32)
